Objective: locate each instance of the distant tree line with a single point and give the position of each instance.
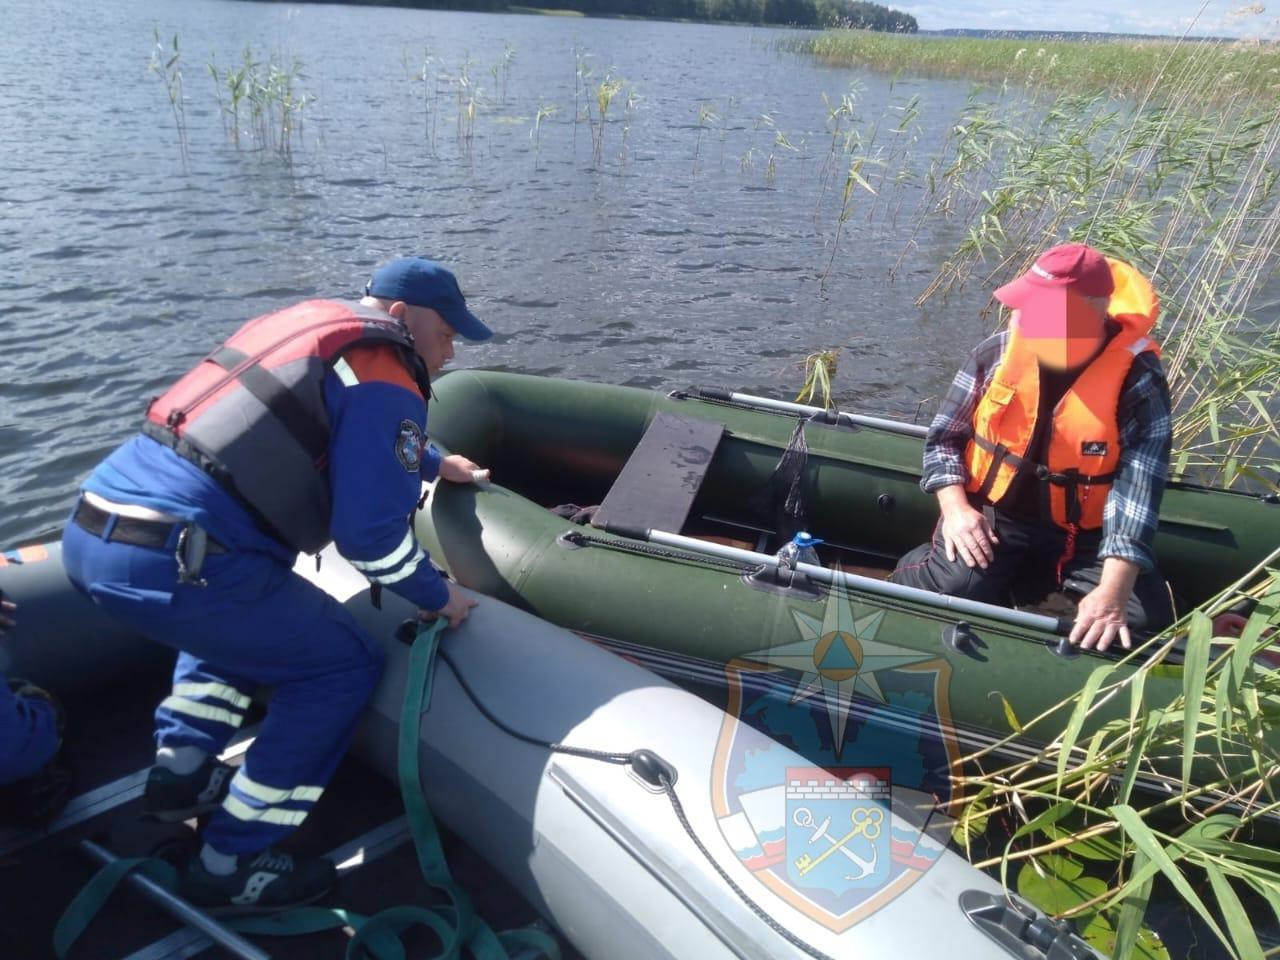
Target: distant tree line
(858, 14)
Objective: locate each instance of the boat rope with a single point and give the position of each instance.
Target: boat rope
(652, 769)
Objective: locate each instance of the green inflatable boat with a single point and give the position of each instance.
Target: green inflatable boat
(697, 491)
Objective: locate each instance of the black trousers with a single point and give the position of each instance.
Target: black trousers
(1024, 571)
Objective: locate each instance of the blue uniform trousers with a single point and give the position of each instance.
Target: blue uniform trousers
(28, 734)
(256, 622)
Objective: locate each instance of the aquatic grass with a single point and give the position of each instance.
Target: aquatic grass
(1088, 847)
(468, 98)
(269, 92)
(1117, 66)
(604, 94)
(1189, 194)
(428, 75)
(707, 118)
(582, 70)
(819, 372)
(853, 179)
(779, 141)
(545, 112)
(842, 141)
(629, 107)
(236, 83)
(501, 71)
(166, 64)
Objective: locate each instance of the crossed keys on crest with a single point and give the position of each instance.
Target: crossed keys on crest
(866, 822)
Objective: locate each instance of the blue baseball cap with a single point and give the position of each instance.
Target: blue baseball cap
(425, 283)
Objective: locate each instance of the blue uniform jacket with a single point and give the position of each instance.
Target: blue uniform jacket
(378, 456)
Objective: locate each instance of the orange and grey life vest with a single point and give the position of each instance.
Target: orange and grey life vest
(252, 413)
(1083, 448)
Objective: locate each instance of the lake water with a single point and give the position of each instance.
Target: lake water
(683, 256)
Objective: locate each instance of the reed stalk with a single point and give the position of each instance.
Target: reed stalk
(1087, 846)
(603, 95)
(166, 64)
(1189, 194)
(819, 371)
(706, 119)
(545, 112)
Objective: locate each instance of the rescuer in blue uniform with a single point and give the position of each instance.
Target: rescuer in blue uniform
(307, 425)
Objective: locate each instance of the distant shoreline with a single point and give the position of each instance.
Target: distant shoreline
(1065, 35)
(779, 14)
(1223, 72)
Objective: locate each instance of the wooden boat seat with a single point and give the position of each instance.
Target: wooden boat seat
(661, 478)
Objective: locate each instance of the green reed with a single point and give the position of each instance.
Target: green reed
(604, 94)
(262, 100)
(707, 118)
(1189, 194)
(545, 112)
(1088, 847)
(501, 71)
(1124, 67)
(166, 64)
(819, 371)
(428, 75)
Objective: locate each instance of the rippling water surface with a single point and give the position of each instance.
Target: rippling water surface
(120, 264)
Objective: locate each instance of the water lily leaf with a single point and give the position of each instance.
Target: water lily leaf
(1090, 848)
(1054, 893)
(1104, 938)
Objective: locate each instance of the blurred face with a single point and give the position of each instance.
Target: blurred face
(1065, 330)
(432, 338)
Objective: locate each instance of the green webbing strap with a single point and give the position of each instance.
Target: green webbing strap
(86, 904)
(376, 937)
(456, 924)
(297, 922)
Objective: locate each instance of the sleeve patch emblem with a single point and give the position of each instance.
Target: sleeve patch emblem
(409, 445)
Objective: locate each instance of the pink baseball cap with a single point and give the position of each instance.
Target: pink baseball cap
(1071, 266)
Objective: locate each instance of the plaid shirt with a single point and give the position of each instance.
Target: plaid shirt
(1146, 427)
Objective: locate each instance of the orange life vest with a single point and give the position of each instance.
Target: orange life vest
(1084, 437)
(252, 413)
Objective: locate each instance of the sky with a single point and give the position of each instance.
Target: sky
(1165, 17)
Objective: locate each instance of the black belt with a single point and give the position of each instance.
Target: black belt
(141, 533)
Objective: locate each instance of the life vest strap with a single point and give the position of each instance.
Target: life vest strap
(1069, 479)
(284, 405)
(192, 454)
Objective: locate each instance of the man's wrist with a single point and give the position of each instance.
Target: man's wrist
(952, 498)
(1119, 575)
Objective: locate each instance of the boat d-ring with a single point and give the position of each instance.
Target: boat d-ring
(962, 638)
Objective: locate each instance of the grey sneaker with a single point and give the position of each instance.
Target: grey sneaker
(262, 883)
(172, 797)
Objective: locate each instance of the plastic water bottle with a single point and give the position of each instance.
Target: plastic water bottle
(801, 549)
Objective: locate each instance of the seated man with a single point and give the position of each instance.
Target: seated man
(1050, 452)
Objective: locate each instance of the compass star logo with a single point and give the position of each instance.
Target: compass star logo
(838, 658)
